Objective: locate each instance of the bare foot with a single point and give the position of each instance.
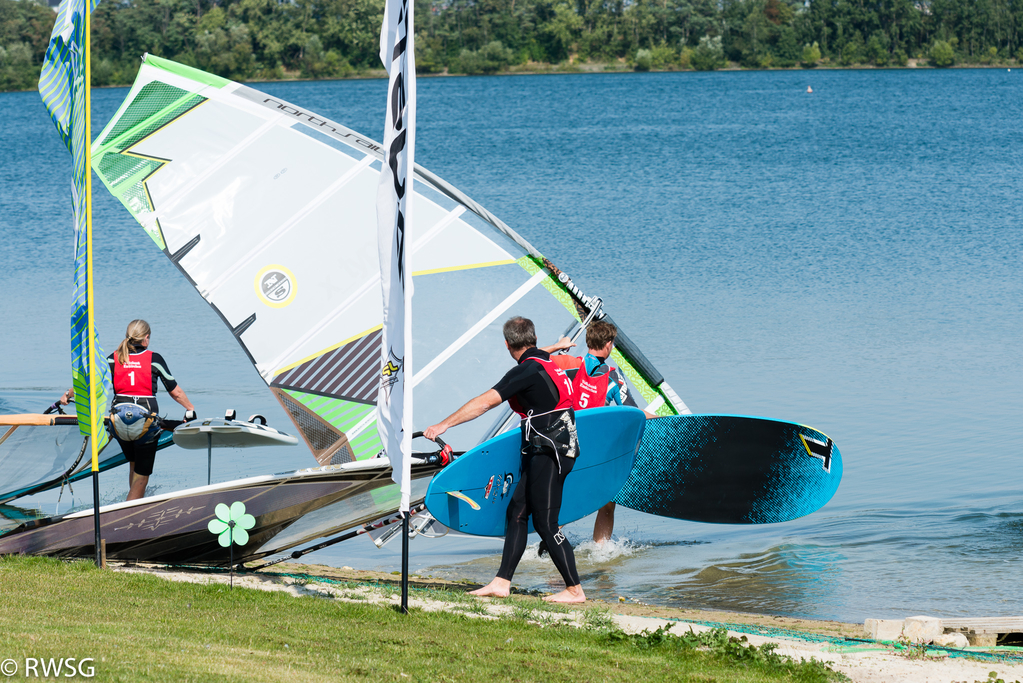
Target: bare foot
(570, 594)
(498, 588)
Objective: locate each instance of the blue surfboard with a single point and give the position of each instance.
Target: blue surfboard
(729, 469)
(471, 495)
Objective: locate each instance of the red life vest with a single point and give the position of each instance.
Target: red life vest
(135, 377)
(561, 381)
(587, 391)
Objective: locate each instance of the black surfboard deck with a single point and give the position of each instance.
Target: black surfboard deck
(730, 469)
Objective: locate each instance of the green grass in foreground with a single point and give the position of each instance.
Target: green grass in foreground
(143, 628)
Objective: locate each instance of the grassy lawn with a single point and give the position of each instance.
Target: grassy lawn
(143, 628)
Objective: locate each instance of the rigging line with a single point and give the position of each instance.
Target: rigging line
(458, 344)
(311, 206)
(271, 370)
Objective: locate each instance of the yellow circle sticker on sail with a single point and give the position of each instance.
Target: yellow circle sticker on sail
(275, 286)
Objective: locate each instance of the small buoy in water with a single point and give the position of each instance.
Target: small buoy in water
(809, 89)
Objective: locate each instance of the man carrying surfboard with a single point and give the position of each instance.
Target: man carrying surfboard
(541, 393)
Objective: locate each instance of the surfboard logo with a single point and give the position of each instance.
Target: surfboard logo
(490, 485)
(818, 449)
(275, 286)
(461, 496)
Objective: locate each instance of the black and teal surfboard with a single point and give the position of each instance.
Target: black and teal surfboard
(729, 469)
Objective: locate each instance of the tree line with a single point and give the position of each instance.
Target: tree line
(273, 39)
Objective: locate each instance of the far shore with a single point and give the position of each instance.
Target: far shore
(538, 69)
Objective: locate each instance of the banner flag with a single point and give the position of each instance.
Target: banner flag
(63, 90)
(394, 206)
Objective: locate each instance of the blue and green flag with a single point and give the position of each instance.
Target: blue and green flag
(62, 87)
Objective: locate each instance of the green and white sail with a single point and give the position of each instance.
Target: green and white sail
(269, 210)
(63, 89)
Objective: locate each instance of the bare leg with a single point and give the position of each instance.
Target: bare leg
(605, 523)
(138, 485)
(571, 594)
(498, 588)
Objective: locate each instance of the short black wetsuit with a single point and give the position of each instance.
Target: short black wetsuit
(530, 388)
(142, 393)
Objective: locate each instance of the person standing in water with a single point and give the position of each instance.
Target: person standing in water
(596, 384)
(135, 370)
(541, 393)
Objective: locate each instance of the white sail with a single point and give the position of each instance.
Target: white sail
(269, 210)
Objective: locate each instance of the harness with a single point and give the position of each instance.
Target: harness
(132, 381)
(560, 434)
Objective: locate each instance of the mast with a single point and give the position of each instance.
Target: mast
(91, 325)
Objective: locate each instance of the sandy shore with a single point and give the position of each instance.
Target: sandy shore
(840, 645)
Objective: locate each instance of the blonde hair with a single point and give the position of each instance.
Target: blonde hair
(136, 333)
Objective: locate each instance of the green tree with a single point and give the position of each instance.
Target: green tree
(852, 51)
(708, 55)
(644, 60)
(876, 50)
(811, 55)
(942, 54)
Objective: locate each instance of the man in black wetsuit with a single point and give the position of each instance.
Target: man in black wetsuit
(541, 393)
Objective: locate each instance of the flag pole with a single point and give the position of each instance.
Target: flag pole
(91, 327)
(394, 214)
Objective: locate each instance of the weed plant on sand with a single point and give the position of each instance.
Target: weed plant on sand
(140, 627)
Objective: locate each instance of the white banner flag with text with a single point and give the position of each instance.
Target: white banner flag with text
(394, 206)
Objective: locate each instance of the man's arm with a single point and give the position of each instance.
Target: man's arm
(470, 411)
(562, 344)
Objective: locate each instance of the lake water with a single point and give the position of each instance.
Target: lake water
(848, 259)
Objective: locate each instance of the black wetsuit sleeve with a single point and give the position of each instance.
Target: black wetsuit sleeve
(162, 370)
(514, 381)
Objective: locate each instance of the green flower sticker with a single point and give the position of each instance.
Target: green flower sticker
(231, 524)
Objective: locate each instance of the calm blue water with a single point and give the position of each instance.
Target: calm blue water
(849, 259)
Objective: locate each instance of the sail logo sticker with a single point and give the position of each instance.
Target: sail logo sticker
(275, 286)
(390, 373)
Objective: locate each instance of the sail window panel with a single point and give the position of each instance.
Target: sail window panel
(425, 189)
(457, 246)
(493, 234)
(259, 190)
(484, 359)
(446, 305)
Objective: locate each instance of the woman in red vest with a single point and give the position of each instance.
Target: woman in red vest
(135, 369)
